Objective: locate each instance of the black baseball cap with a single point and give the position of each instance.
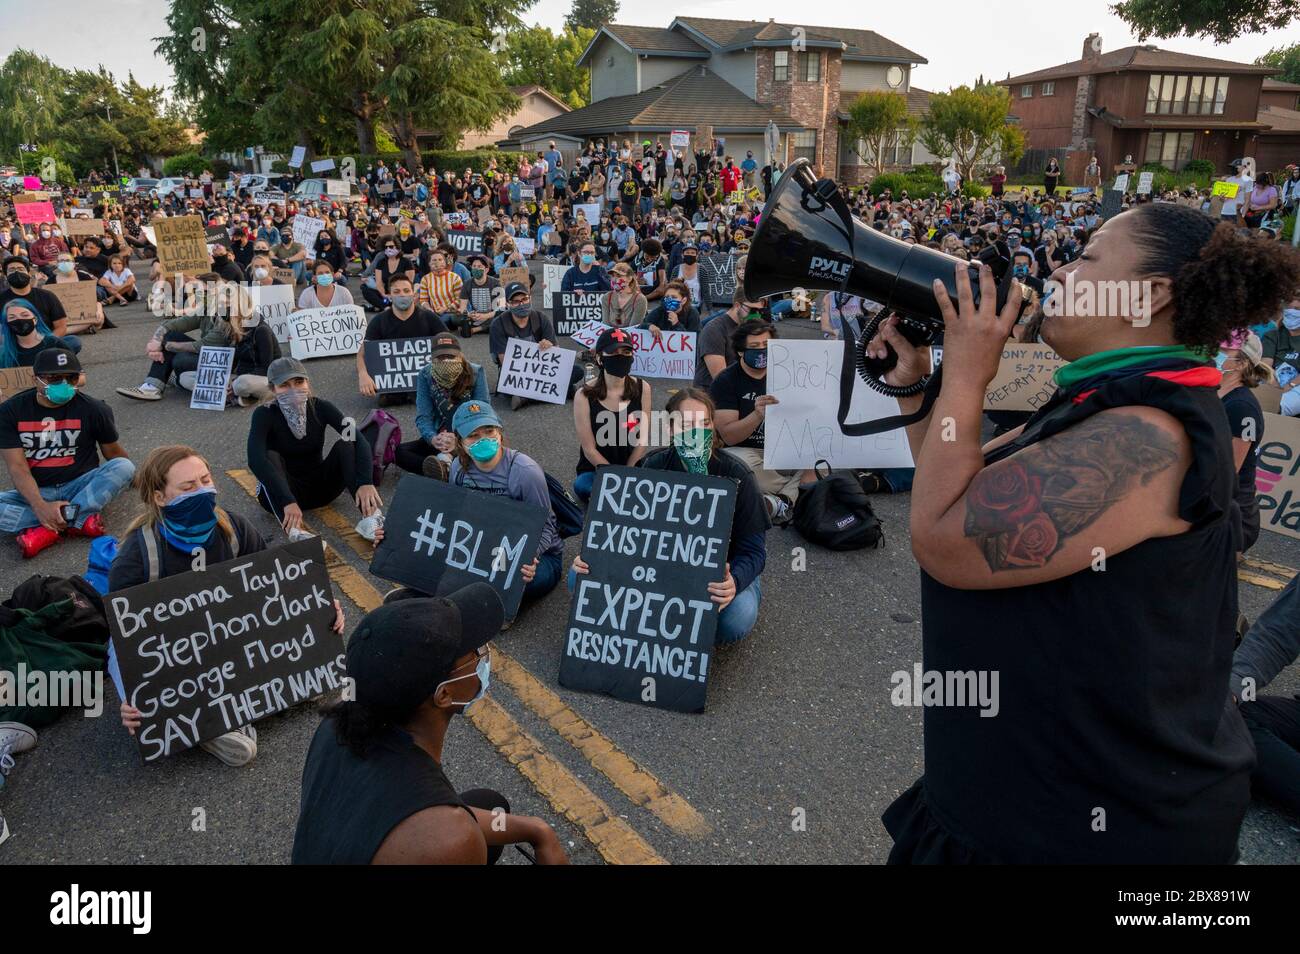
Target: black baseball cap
(611, 339)
(401, 651)
(444, 343)
(516, 288)
(56, 361)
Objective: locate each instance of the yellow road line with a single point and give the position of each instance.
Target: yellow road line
(1278, 568)
(1268, 582)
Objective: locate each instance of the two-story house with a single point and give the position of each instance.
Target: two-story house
(728, 79)
(1154, 105)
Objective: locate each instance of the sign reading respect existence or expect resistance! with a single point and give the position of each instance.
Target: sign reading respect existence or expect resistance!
(439, 537)
(322, 332)
(205, 652)
(642, 622)
(395, 363)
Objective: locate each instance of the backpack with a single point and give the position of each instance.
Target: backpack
(568, 512)
(103, 551)
(85, 622)
(384, 434)
(836, 513)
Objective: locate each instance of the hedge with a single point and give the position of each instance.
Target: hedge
(185, 163)
(441, 160)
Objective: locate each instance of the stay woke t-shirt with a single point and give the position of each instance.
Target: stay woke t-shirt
(59, 443)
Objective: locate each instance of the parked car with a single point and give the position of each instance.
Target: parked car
(316, 190)
(141, 186)
(173, 185)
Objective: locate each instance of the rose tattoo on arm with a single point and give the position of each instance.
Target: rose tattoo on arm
(1023, 509)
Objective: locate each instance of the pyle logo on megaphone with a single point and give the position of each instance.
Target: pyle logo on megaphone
(828, 268)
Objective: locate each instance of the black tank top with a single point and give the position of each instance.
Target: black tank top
(617, 454)
(1113, 685)
(350, 804)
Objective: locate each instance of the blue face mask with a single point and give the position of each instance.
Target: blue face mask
(484, 673)
(484, 449)
(1291, 318)
(188, 521)
(324, 279)
(1020, 271)
(672, 304)
(1219, 360)
(60, 392)
(588, 259)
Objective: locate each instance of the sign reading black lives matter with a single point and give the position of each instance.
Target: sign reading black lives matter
(205, 652)
(439, 537)
(641, 623)
(465, 243)
(395, 363)
(571, 310)
(212, 378)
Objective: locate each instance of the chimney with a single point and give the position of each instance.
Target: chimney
(1092, 48)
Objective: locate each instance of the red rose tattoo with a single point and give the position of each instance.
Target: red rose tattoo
(1008, 496)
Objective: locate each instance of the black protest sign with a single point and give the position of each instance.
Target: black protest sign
(216, 234)
(205, 652)
(641, 624)
(465, 243)
(394, 363)
(571, 310)
(717, 279)
(1112, 204)
(439, 537)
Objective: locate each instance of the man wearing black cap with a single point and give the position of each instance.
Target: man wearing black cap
(373, 788)
(51, 436)
(519, 320)
(403, 318)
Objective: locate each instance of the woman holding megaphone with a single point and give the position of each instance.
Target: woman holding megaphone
(1086, 563)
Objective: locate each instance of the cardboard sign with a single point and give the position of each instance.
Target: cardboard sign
(13, 380)
(306, 229)
(1226, 189)
(641, 622)
(265, 197)
(526, 246)
(1144, 182)
(465, 243)
(87, 226)
(322, 165)
(395, 363)
(384, 188)
(203, 653)
(182, 244)
(212, 379)
(285, 275)
(803, 427)
(325, 332)
(516, 273)
(78, 298)
(1024, 378)
(530, 372)
(34, 213)
(340, 188)
(481, 215)
(717, 279)
(1277, 475)
(299, 154)
(273, 305)
(439, 537)
(572, 310)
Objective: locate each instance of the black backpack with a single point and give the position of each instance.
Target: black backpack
(836, 513)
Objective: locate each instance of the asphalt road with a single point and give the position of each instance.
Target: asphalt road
(798, 718)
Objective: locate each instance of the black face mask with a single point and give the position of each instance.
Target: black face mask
(19, 279)
(617, 364)
(23, 326)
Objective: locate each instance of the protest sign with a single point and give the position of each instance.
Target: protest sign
(322, 165)
(196, 193)
(588, 333)
(671, 355)
(516, 273)
(571, 310)
(439, 537)
(13, 380)
(1226, 189)
(205, 652)
(1112, 204)
(182, 245)
(588, 210)
(25, 197)
(717, 279)
(31, 182)
(82, 226)
(285, 275)
(34, 213)
(481, 215)
(216, 233)
(78, 298)
(273, 305)
(679, 139)
(803, 427)
(306, 229)
(115, 226)
(1024, 378)
(394, 363)
(465, 243)
(641, 622)
(1277, 475)
(265, 197)
(457, 218)
(1144, 182)
(340, 188)
(212, 378)
(526, 246)
(552, 279)
(384, 188)
(530, 372)
(527, 192)
(1121, 182)
(299, 154)
(324, 332)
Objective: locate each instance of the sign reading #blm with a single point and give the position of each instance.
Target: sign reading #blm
(206, 652)
(394, 363)
(439, 537)
(641, 624)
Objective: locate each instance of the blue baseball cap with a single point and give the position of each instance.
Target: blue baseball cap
(472, 415)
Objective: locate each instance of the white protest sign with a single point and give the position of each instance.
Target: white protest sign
(1121, 182)
(273, 304)
(679, 139)
(265, 197)
(196, 193)
(306, 229)
(299, 154)
(211, 378)
(552, 278)
(802, 427)
(338, 187)
(526, 246)
(322, 165)
(1144, 182)
(588, 210)
(587, 334)
(324, 332)
(671, 355)
(530, 372)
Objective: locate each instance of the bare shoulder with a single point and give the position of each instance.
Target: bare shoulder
(440, 835)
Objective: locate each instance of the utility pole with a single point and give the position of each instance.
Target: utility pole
(108, 111)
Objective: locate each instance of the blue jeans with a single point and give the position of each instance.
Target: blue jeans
(91, 492)
(582, 485)
(899, 478)
(71, 342)
(549, 567)
(734, 622)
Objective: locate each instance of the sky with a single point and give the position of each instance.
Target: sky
(961, 40)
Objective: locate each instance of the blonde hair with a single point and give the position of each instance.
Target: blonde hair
(151, 478)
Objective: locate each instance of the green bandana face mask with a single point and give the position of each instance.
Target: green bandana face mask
(694, 447)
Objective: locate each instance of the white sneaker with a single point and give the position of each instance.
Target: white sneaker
(368, 525)
(297, 534)
(235, 749)
(16, 738)
(4, 830)
(778, 510)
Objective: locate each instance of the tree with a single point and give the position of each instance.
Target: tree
(592, 14)
(536, 55)
(30, 91)
(876, 118)
(1286, 60)
(1223, 20)
(971, 124)
(101, 121)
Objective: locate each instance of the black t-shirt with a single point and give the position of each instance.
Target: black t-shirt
(629, 189)
(481, 298)
(59, 443)
(95, 265)
(1280, 344)
(422, 323)
(50, 307)
(131, 565)
(350, 804)
(1246, 421)
(734, 390)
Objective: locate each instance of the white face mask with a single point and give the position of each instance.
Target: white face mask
(483, 671)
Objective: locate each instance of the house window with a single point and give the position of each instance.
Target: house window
(811, 67)
(1171, 149)
(1049, 89)
(1027, 91)
(1220, 95)
(1169, 94)
(781, 73)
(803, 146)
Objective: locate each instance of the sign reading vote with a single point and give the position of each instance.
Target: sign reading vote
(322, 332)
(182, 243)
(529, 371)
(212, 378)
(465, 243)
(395, 363)
(641, 624)
(571, 310)
(206, 652)
(439, 537)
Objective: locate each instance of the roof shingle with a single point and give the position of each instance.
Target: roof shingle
(725, 33)
(1136, 58)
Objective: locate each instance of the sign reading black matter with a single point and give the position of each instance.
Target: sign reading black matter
(439, 537)
(571, 310)
(395, 363)
(642, 622)
(205, 652)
